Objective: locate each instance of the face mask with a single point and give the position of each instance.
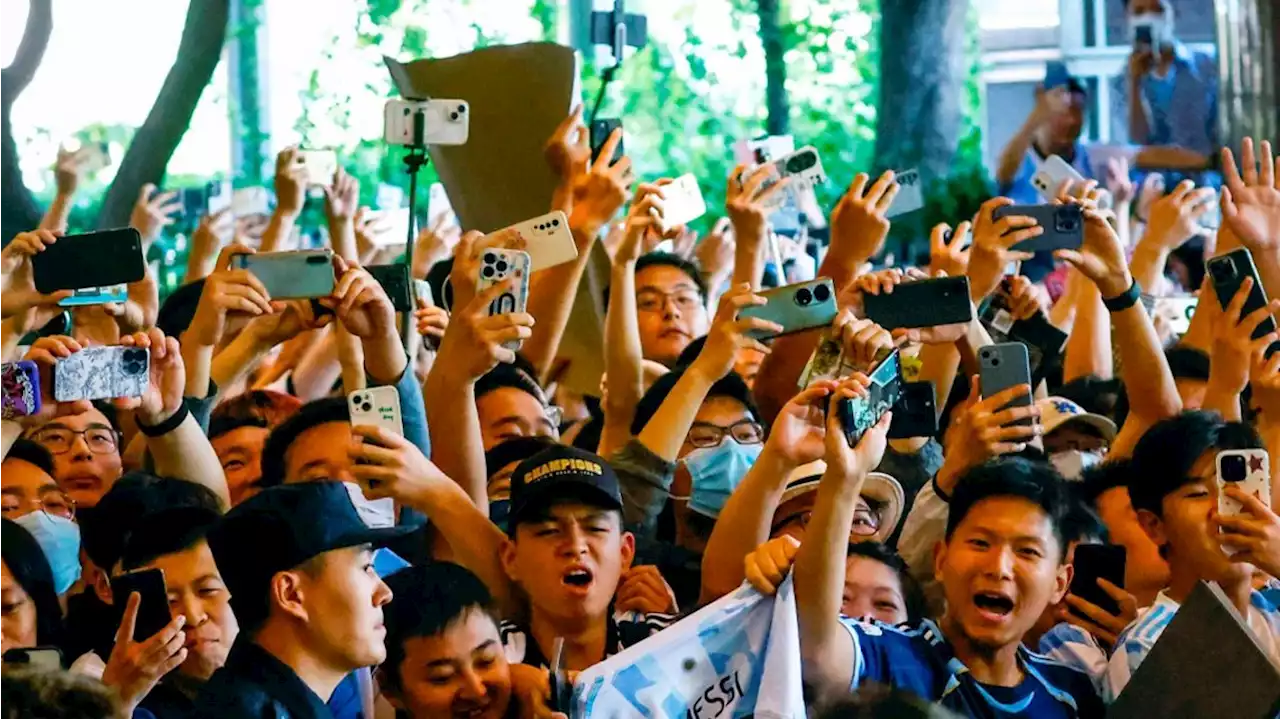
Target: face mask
(59, 537)
(499, 512)
(375, 513)
(1157, 24)
(715, 471)
(1072, 463)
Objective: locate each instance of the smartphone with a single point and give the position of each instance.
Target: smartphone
(250, 201)
(1043, 340)
(682, 202)
(859, 414)
(496, 266)
(1051, 174)
(153, 612)
(94, 259)
(102, 373)
(1227, 273)
(910, 195)
(546, 238)
(805, 165)
(321, 166)
(922, 303)
(377, 406)
(600, 131)
(1249, 470)
(426, 122)
(394, 279)
(206, 199)
(42, 658)
(798, 307)
(297, 274)
(85, 296)
(1179, 310)
(915, 414)
(1093, 562)
(1063, 226)
(21, 389)
(561, 693)
(1002, 366)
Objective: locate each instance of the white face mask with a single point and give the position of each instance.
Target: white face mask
(376, 513)
(1159, 24)
(1072, 463)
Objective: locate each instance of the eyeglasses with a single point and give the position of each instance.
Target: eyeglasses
(53, 502)
(654, 300)
(866, 522)
(710, 435)
(58, 440)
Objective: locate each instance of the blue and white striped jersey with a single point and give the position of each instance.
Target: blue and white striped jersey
(1070, 645)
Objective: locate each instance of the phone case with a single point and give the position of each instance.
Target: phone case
(1051, 174)
(1044, 341)
(805, 165)
(96, 296)
(547, 239)
(153, 611)
(102, 373)
(300, 274)
(682, 202)
(321, 166)
(21, 382)
(394, 279)
(1063, 226)
(498, 265)
(600, 131)
(798, 307)
(444, 121)
(915, 414)
(1227, 273)
(1250, 471)
(377, 406)
(95, 259)
(42, 658)
(923, 303)
(1098, 561)
(859, 414)
(1003, 366)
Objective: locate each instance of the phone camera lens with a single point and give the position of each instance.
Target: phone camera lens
(804, 297)
(487, 272)
(366, 407)
(453, 116)
(995, 361)
(461, 109)
(555, 223)
(1233, 469)
(800, 163)
(1223, 270)
(490, 258)
(821, 293)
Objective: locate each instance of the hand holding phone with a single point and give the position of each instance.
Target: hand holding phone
(21, 382)
(149, 613)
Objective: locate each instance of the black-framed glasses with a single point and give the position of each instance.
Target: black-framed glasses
(58, 440)
(710, 435)
(866, 521)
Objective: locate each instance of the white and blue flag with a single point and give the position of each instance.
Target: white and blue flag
(736, 657)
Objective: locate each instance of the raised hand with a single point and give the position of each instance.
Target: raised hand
(69, 170)
(854, 462)
(168, 378)
(16, 280)
(858, 223)
(863, 340)
(1234, 350)
(287, 320)
(643, 219)
(342, 198)
(45, 352)
(992, 242)
(1251, 196)
(290, 182)
(432, 322)
(600, 191)
(134, 668)
(360, 303)
(747, 199)
(798, 433)
(729, 333)
(207, 240)
(1118, 182)
(947, 253)
(986, 427)
(153, 212)
(568, 150)
(1252, 536)
(228, 293)
(476, 341)
(466, 265)
(1026, 299)
(642, 589)
(1174, 218)
(386, 464)
(1264, 379)
(1101, 257)
(1097, 621)
(714, 254)
(770, 563)
(434, 243)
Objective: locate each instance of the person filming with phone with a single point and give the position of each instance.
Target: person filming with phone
(1053, 128)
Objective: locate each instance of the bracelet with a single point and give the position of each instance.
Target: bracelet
(167, 426)
(1124, 300)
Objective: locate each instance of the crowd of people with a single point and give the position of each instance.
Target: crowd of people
(318, 567)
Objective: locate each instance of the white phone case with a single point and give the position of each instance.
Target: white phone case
(376, 406)
(804, 167)
(1051, 174)
(546, 239)
(682, 202)
(321, 166)
(445, 122)
(497, 265)
(1178, 310)
(1247, 469)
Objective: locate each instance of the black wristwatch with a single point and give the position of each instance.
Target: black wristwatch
(1124, 300)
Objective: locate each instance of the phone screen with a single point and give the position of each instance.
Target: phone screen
(1093, 562)
(153, 612)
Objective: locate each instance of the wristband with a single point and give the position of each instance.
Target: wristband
(1124, 300)
(167, 426)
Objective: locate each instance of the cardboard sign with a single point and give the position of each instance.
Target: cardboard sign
(910, 194)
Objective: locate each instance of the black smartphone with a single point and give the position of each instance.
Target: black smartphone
(922, 303)
(915, 414)
(1093, 562)
(1003, 366)
(1063, 226)
(1227, 273)
(395, 281)
(1044, 341)
(859, 414)
(1142, 36)
(93, 259)
(43, 658)
(601, 129)
(153, 612)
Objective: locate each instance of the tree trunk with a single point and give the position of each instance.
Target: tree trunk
(922, 72)
(153, 145)
(19, 211)
(775, 67)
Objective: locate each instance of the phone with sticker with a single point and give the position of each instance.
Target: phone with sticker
(497, 265)
(378, 407)
(682, 203)
(21, 381)
(102, 373)
(910, 195)
(1248, 470)
(859, 414)
(546, 238)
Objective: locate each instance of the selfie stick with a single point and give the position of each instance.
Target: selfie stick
(413, 162)
(616, 19)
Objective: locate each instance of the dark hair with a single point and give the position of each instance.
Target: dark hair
(912, 593)
(30, 569)
(32, 692)
(135, 496)
(168, 531)
(425, 601)
(1187, 363)
(1035, 482)
(668, 259)
(878, 701)
(1166, 454)
(731, 385)
(1082, 525)
(283, 435)
(179, 309)
(32, 453)
(1095, 395)
(255, 408)
(111, 414)
(516, 449)
(1096, 480)
(513, 376)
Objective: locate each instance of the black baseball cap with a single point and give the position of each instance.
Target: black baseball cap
(561, 472)
(281, 527)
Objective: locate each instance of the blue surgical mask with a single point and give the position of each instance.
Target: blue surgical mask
(499, 512)
(59, 537)
(716, 471)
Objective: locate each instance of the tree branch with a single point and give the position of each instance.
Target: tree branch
(19, 211)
